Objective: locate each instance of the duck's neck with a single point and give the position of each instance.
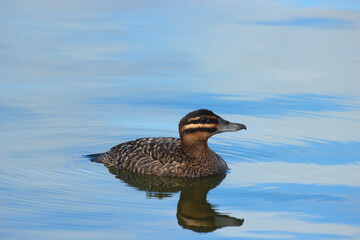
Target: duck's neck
(196, 149)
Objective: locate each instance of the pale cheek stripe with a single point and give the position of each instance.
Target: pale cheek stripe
(199, 125)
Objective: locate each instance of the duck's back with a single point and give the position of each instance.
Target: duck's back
(159, 156)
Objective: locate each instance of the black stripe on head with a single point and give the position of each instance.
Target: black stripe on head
(199, 129)
(209, 120)
(197, 114)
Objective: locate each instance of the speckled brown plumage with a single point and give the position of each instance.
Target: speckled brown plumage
(162, 157)
(188, 156)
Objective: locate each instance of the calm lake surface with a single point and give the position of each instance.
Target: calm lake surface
(80, 77)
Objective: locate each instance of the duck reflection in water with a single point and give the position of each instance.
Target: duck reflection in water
(193, 210)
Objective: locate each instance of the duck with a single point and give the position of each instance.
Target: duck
(188, 156)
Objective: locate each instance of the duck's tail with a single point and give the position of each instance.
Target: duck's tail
(95, 157)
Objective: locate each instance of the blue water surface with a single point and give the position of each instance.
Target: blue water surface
(79, 77)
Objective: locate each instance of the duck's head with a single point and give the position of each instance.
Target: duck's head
(199, 125)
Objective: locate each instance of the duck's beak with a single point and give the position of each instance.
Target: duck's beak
(226, 126)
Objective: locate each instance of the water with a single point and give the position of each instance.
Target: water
(80, 77)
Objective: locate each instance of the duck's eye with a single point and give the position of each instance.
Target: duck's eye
(204, 120)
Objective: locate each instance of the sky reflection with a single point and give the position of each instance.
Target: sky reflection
(156, 44)
(321, 23)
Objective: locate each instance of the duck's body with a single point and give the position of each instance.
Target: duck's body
(188, 156)
(163, 157)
